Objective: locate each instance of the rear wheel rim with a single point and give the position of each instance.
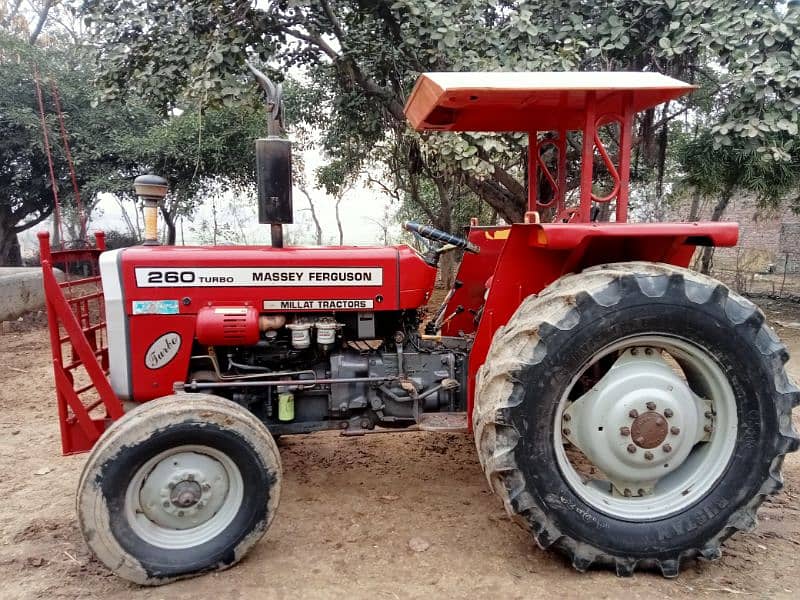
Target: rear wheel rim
(184, 497)
(700, 465)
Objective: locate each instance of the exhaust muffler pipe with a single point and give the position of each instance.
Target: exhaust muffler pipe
(274, 179)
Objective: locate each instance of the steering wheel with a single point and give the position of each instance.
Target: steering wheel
(437, 235)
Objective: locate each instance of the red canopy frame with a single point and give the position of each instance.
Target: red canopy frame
(548, 106)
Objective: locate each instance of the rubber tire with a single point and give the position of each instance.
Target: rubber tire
(152, 428)
(532, 360)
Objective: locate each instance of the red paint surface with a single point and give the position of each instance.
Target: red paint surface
(534, 256)
(407, 279)
(407, 282)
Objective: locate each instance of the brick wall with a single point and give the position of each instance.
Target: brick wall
(765, 235)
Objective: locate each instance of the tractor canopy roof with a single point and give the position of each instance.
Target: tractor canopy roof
(524, 101)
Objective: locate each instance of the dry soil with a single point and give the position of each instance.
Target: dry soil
(350, 510)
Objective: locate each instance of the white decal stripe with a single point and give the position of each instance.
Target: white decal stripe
(115, 322)
(167, 277)
(317, 304)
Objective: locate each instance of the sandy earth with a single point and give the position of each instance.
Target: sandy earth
(349, 509)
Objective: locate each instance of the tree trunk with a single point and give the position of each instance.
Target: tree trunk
(719, 209)
(10, 255)
(317, 225)
(339, 222)
(42, 17)
(447, 268)
(447, 261)
(694, 209)
(169, 221)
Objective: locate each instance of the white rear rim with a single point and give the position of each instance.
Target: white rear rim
(651, 429)
(184, 497)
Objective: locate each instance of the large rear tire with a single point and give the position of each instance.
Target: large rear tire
(635, 415)
(179, 486)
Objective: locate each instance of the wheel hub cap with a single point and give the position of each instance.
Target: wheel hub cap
(184, 490)
(186, 494)
(649, 430)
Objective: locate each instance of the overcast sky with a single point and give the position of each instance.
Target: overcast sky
(361, 210)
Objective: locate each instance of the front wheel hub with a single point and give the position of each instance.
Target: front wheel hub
(639, 423)
(185, 490)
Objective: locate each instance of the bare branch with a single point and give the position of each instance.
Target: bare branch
(48, 4)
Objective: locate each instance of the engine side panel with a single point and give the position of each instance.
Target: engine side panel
(156, 294)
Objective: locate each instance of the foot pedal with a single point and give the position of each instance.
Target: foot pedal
(449, 422)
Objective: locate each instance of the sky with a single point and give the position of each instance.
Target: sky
(362, 209)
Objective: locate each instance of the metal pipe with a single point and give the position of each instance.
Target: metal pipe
(194, 385)
(222, 377)
(276, 233)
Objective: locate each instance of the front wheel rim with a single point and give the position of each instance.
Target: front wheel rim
(689, 435)
(183, 497)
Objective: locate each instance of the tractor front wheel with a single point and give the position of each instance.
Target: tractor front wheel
(635, 415)
(179, 486)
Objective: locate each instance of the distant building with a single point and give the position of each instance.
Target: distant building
(769, 239)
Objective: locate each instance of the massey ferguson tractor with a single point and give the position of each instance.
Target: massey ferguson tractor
(629, 412)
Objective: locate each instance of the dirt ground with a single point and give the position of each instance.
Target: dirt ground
(349, 509)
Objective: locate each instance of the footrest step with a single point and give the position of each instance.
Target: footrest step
(443, 422)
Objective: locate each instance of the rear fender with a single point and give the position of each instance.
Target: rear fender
(535, 255)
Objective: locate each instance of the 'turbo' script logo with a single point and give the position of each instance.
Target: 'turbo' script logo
(162, 350)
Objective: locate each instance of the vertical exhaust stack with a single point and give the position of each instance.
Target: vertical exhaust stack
(274, 177)
(273, 163)
(151, 189)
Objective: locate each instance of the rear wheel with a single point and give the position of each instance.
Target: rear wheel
(635, 414)
(179, 486)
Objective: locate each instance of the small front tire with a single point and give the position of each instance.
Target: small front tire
(180, 486)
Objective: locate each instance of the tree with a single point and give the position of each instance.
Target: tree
(200, 152)
(364, 56)
(737, 168)
(26, 191)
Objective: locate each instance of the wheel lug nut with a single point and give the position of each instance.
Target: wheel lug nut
(633, 414)
(206, 487)
(567, 417)
(166, 503)
(626, 492)
(648, 455)
(566, 431)
(624, 431)
(171, 485)
(666, 448)
(631, 448)
(675, 430)
(651, 405)
(634, 351)
(180, 513)
(648, 351)
(641, 492)
(707, 428)
(190, 477)
(668, 413)
(709, 414)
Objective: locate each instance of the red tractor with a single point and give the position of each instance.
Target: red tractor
(629, 412)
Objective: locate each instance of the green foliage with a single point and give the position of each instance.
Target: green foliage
(740, 167)
(120, 239)
(361, 58)
(200, 151)
(95, 132)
